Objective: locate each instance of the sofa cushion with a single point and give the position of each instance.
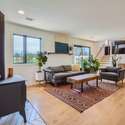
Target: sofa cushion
(57, 69)
(112, 69)
(75, 67)
(66, 74)
(67, 68)
(109, 74)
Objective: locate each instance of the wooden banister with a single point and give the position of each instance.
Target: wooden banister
(101, 48)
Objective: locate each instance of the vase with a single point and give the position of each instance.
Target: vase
(39, 76)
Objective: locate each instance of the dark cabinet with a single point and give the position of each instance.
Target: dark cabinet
(13, 96)
(2, 66)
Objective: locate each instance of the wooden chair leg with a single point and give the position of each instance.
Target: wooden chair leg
(87, 83)
(71, 85)
(101, 79)
(81, 87)
(122, 82)
(97, 82)
(116, 83)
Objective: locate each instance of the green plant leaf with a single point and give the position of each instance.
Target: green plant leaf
(41, 60)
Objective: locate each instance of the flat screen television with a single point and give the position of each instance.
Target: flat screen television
(61, 48)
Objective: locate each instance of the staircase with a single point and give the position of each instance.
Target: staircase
(105, 60)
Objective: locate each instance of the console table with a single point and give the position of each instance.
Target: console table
(13, 96)
(122, 65)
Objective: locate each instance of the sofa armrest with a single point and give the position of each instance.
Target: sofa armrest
(121, 74)
(122, 70)
(103, 69)
(48, 70)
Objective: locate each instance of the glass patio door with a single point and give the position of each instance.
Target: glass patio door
(80, 53)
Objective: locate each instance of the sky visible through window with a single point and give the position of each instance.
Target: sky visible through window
(18, 44)
(33, 45)
(26, 49)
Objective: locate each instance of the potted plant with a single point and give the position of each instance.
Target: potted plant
(41, 60)
(91, 64)
(95, 64)
(115, 60)
(86, 65)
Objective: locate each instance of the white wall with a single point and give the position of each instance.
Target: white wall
(48, 39)
(97, 48)
(122, 60)
(98, 45)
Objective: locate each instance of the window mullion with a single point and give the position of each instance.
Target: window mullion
(40, 45)
(25, 50)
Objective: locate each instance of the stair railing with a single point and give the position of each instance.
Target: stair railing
(100, 50)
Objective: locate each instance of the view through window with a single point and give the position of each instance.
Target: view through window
(26, 49)
(81, 52)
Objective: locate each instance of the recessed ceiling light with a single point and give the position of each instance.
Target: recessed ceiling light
(21, 12)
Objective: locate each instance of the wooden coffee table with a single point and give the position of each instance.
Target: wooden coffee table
(82, 79)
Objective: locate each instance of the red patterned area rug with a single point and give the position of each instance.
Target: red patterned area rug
(82, 101)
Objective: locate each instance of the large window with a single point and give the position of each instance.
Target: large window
(81, 52)
(26, 49)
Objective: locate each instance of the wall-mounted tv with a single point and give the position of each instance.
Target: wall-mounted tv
(61, 48)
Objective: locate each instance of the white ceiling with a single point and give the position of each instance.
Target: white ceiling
(89, 19)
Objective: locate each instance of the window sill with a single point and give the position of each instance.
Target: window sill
(25, 64)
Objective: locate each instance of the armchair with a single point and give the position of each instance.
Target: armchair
(113, 74)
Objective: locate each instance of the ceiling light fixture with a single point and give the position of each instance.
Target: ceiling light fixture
(21, 12)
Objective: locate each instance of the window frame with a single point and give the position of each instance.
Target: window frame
(84, 47)
(81, 46)
(25, 47)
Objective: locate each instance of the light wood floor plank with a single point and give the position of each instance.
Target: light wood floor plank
(109, 111)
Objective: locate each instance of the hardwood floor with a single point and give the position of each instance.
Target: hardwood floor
(33, 117)
(110, 111)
